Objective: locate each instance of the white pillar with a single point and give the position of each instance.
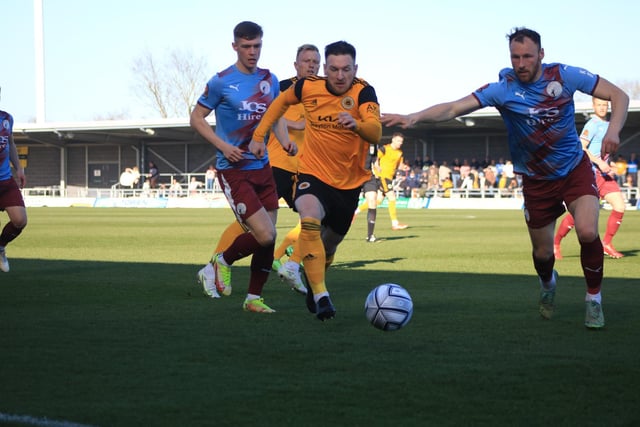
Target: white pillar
(38, 29)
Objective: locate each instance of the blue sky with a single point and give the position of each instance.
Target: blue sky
(414, 53)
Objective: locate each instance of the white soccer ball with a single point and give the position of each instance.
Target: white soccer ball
(388, 307)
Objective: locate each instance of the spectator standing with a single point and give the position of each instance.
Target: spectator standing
(175, 190)
(456, 173)
(210, 177)
(510, 176)
(444, 171)
(153, 175)
(465, 170)
(194, 186)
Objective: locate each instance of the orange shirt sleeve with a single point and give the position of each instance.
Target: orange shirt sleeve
(369, 128)
(274, 112)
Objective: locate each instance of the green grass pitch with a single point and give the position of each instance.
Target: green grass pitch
(102, 323)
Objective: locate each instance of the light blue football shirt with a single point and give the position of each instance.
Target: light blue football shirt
(6, 127)
(539, 117)
(239, 101)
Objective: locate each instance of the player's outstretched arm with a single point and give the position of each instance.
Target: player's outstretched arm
(436, 113)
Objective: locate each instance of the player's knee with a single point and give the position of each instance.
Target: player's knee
(266, 238)
(542, 253)
(587, 235)
(20, 222)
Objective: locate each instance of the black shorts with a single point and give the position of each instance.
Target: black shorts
(372, 185)
(285, 182)
(338, 204)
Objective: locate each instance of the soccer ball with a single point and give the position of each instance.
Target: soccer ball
(388, 307)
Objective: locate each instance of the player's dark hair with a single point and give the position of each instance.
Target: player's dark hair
(518, 34)
(247, 30)
(340, 48)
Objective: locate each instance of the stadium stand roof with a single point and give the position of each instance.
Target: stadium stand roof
(114, 132)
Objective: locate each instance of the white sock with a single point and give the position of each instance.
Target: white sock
(593, 297)
(316, 297)
(292, 266)
(251, 297)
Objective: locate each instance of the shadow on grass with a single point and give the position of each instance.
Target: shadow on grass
(108, 343)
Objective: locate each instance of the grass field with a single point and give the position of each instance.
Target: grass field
(102, 323)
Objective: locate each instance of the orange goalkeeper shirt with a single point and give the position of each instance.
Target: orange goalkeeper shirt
(332, 153)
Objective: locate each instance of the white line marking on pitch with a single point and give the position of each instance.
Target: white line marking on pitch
(39, 422)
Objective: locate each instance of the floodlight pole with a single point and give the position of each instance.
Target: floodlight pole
(38, 29)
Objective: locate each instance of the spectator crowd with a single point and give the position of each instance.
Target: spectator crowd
(425, 177)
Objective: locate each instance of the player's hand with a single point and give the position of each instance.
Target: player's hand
(610, 144)
(257, 148)
(232, 153)
(291, 148)
(403, 121)
(22, 179)
(346, 120)
(605, 167)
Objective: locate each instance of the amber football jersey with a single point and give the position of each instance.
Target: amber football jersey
(389, 159)
(277, 156)
(333, 154)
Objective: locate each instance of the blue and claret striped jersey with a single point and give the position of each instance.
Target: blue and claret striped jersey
(539, 117)
(239, 101)
(6, 127)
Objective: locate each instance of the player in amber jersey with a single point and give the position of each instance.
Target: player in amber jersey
(373, 196)
(390, 158)
(285, 166)
(342, 118)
